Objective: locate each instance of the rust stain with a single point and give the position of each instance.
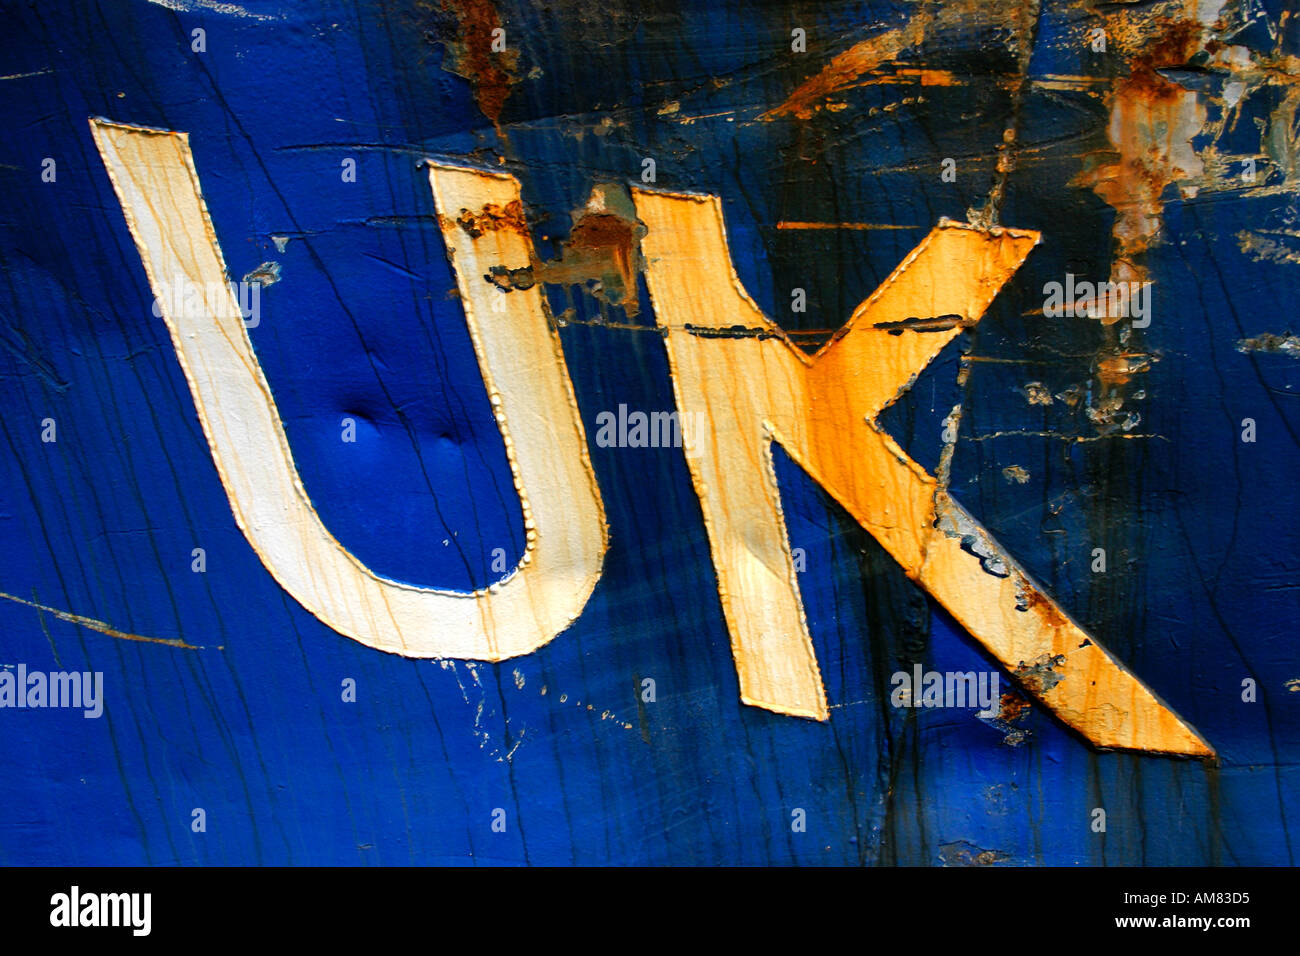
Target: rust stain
(1012, 708)
(873, 60)
(491, 218)
(1163, 134)
(602, 253)
(1118, 369)
(1152, 122)
(465, 28)
(1153, 130)
(924, 76)
(846, 69)
(1035, 600)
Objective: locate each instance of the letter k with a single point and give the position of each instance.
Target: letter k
(741, 374)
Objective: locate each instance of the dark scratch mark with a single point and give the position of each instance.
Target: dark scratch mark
(938, 323)
(27, 355)
(734, 332)
(40, 616)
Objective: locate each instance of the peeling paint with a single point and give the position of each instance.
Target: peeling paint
(490, 218)
(601, 254)
(1285, 344)
(956, 523)
(1041, 676)
(268, 273)
(1036, 393)
(965, 853)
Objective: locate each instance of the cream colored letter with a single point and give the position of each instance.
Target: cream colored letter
(522, 366)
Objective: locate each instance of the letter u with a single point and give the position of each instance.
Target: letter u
(523, 368)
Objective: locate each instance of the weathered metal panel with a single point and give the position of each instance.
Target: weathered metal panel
(1168, 157)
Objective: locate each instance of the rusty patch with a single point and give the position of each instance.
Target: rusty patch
(491, 218)
(465, 29)
(1152, 123)
(1118, 369)
(875, 59)
(1012, 708)
(845, 69)
(602, 253)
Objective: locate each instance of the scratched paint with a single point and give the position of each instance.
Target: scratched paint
(365, 322)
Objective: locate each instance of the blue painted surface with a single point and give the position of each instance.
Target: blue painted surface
(250, 727)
